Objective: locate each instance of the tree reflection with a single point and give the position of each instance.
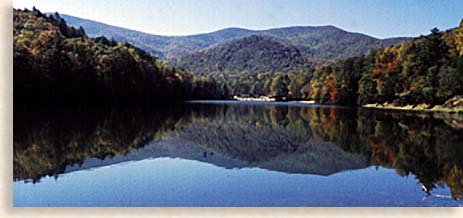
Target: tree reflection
(49, 140)
(315, 140)
(424, 145)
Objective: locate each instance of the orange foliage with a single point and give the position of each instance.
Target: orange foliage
(392, 66)
(330, 87)
(388, 62)
(333, 93)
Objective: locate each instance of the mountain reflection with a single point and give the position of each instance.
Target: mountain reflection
(307, 140)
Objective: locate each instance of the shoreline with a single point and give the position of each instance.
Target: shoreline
(451, 106)
(269, 99)
(417, 108)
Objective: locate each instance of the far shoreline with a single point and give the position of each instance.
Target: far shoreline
(271, 99)
(452, 106)
(417, 108)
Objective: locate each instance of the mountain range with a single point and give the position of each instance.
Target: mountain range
(320, 43)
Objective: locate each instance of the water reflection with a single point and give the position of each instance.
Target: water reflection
(47, 141)
(305, 140)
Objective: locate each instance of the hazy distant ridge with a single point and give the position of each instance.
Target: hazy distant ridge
(321, 43)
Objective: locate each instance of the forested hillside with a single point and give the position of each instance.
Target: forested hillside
(329, 43)
(53, 60)
(249, 55)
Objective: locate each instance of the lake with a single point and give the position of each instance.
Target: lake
(230, 153)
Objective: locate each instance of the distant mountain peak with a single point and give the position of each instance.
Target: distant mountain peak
(254, 54)
(233, 29)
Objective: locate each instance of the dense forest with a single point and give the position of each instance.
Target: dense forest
(427, 70)
(55, 61)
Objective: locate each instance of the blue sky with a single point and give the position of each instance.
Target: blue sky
(379, 18)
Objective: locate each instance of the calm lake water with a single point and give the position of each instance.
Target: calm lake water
(225, 153)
